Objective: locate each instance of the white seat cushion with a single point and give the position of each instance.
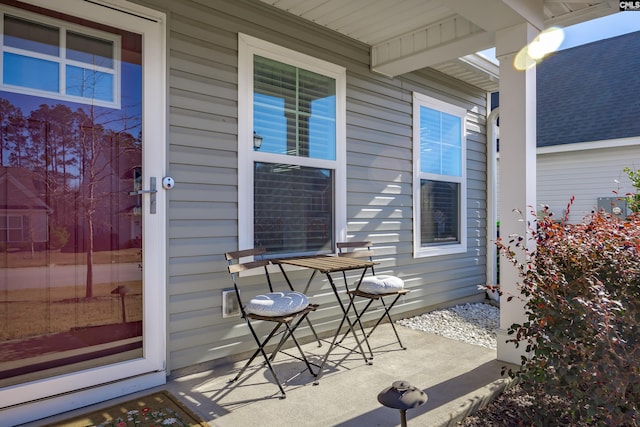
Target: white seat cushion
(381, 284)
(277, 303)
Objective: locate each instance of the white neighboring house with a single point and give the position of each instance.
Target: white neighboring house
(587, 131)
(588, 128)
(592, 172)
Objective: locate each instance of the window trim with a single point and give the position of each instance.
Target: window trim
(62, 61)
(6, 228)
(249, 46)
(420, 100)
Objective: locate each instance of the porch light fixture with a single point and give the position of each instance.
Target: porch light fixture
(257, 141)
(401, 395)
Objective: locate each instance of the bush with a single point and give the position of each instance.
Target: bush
(58, 237)
(581, 290)
(633, 199)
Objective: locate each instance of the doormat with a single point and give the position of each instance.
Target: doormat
(157, 409)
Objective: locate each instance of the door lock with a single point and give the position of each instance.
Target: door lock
(168, 183)
(152, 194)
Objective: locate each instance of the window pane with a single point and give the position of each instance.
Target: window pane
(430, 157)
(439, 212)
(440, 143)
(294, 110)
(90, 50)
(89, 84)
(293, 208)
(31, 73)
(15, 222)
(430, 146)
(451, 164)
(270, 123)
(23, 34)
(430, 125)
(322, 130)
(317, 105)
(15, 236)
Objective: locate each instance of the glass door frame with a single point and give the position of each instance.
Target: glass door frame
(148, 371)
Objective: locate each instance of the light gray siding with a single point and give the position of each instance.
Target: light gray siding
(582, 171)
(202, 217)
(585, 174)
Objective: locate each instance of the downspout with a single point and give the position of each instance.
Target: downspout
(493, 135)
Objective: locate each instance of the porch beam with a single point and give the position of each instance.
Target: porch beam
(450, 38)
(493, 15)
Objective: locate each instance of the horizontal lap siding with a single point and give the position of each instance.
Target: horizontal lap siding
(586, 175)
(379, 186)
(202, 219)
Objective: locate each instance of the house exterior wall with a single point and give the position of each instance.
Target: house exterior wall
(202, 158)
(588, 171)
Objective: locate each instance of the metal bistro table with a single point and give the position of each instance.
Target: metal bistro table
(328, 264)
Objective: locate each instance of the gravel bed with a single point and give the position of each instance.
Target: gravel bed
(471, 323)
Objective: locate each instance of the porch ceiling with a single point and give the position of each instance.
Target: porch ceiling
(407, 35)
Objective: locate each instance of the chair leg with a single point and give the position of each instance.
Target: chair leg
(304, 292)
(315, 334)
(290, 333)
(387, 309)
(264, 355)
(359, 321)
(346, 318)
(334, 342)
(302, 355)
(388, 316)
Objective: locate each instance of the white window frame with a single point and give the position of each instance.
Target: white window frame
(420, 100)
(5, 226)
(249, 46)
(63, 61)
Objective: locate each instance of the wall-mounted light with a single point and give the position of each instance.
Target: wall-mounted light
(257, 141)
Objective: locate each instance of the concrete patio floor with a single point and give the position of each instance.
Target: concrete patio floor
(457, 378)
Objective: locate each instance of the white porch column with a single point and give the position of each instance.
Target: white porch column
(517, 168)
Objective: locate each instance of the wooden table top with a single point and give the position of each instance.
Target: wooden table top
(326, 263)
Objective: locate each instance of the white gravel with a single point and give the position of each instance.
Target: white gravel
(471, 323)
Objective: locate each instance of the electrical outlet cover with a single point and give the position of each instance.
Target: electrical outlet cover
(230, 306)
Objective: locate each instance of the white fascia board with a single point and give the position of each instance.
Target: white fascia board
(590, 145)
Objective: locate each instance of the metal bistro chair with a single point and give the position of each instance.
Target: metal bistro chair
(286, 308)
(374, 287)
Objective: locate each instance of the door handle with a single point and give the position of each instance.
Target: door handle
(152, 194)
(136, 193)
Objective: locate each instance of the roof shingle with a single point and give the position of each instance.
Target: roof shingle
(590, 92)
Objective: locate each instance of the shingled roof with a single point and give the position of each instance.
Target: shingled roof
(590, 92)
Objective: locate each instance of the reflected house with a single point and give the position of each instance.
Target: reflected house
(130, 216)
(118, 221)
(24, 218)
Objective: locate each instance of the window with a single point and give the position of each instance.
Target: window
(51, 58)
(291, 150)
(439, 177)
(12, 227)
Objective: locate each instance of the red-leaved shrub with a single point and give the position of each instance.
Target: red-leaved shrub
(581, 292)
